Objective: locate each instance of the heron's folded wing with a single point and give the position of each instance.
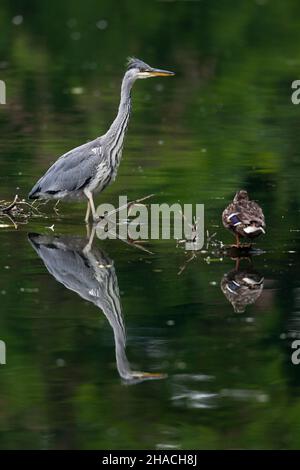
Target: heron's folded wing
(72, 171)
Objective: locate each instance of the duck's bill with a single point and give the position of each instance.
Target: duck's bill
(161, 73)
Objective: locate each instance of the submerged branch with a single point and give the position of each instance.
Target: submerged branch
(5, 209)
(18, 211)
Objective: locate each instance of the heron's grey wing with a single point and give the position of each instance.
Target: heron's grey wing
(92, 276)
(72, 171)
(85, 274)
(64, 260)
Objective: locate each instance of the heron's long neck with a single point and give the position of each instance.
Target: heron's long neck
(116, 133)
(109, 303)
(113, 313)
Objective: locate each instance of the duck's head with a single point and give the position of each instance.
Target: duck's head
(241, 195)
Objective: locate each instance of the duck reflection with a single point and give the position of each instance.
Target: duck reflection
(90, 272)
(242, 286)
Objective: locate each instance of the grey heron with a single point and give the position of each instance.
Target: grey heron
(90, 273)
(90, 168)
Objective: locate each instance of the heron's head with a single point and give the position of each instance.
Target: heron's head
(139, 69)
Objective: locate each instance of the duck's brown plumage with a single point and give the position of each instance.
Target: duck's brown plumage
(244, 217)
(242, 287)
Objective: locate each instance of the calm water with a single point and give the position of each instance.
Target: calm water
(218, 379)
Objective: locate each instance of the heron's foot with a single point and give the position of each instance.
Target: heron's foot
(94, 220)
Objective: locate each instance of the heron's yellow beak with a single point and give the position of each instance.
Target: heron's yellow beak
(148, 375)
(160, 73)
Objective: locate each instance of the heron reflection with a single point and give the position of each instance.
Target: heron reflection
(90, 272)
(242, 286)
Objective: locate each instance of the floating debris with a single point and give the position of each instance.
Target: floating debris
(18, 211)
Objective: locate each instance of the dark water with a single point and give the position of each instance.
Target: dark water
(218, 379)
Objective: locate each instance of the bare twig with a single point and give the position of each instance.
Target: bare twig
(129, 205)
(25, 203)
(136, 245)
(55, 207)
(8, 208)
(184, 266)
(11, 219)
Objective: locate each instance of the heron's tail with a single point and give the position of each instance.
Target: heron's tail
(34, 193)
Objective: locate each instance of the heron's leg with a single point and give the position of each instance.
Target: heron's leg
(88, 246)
(89, 195)
(87, 215)
(88, 231)
(237, 237)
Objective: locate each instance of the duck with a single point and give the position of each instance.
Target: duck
(242, 287)
(244, 217)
